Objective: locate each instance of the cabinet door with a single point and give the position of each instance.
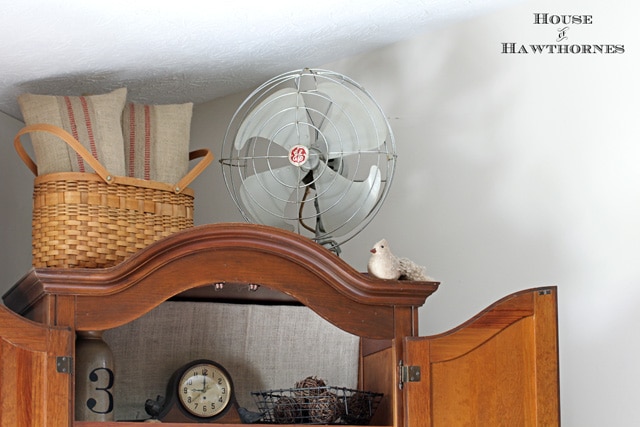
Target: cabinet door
(498, 369)
(32, 391)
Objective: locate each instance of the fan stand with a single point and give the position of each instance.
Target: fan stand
(319, 230)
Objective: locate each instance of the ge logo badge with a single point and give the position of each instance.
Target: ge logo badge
(298, 155)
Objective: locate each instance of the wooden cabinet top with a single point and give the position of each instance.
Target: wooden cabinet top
(226, 257)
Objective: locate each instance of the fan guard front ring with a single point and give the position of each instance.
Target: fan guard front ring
(312, 152)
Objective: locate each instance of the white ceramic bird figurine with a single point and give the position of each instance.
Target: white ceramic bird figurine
(383, 264)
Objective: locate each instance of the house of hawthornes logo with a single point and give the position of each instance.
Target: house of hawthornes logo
(562, 26)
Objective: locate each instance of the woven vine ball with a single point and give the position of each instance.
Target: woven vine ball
(340, 408)
(323, 409)
(358, 409)
(287, 410)
(310, 386)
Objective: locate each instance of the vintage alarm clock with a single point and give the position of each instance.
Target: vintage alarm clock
(201, 391)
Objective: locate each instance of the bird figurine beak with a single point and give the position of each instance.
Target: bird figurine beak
(373, 250)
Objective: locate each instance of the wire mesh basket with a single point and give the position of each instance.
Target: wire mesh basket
(317, 405)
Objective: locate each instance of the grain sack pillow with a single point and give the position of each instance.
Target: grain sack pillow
(93, 120)
(157, 140)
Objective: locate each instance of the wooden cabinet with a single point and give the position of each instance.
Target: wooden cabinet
(33, 390)
(498, 369)
(501, 365)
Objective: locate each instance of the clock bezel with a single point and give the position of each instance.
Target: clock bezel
(176, 385)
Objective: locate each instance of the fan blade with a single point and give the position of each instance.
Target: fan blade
(277, 118)
(317, 103)
(265, 195)
(354, 123)
(317, 107)
(344, 203)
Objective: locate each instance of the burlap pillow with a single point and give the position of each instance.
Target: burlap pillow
(93, 120)
(157, 137)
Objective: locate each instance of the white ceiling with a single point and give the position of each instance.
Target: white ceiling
(194, 50)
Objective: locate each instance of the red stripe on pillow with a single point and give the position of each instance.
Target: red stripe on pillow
(132, 140)
(147, 142)
(87, 121)
(74, 129)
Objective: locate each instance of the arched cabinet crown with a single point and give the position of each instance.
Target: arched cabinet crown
(231, 256)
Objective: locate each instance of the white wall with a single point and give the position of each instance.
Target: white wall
(523, 171)
(15, 208)
(513, 172)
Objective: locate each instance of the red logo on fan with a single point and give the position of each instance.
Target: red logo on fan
(298, 155)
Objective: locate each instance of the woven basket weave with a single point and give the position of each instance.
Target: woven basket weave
(89, 220)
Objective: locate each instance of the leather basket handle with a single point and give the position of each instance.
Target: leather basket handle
(66, 137)
(207, 158)
(203, 154)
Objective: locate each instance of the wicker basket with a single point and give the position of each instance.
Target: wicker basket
(98, 219)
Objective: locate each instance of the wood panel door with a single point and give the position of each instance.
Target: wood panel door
(32, 390)
(498, 369)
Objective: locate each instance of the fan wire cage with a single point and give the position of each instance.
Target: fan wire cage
(312, 152)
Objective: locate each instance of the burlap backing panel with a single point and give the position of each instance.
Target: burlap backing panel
(263, 348)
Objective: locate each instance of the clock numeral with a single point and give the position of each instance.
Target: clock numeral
(205, 371)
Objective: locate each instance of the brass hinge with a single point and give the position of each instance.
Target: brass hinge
(408, 374)
(64, 364)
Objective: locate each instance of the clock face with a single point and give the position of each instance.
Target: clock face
(204, 390)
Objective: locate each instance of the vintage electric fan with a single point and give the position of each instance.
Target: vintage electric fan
(312, 152)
